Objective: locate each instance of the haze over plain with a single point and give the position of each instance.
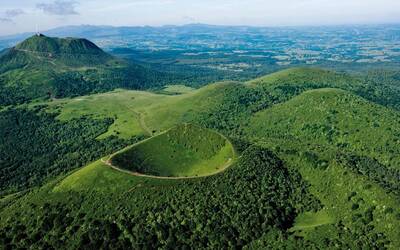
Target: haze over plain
(25, 15)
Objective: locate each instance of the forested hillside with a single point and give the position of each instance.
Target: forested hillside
(257, 196)
(315, 166)
(35, 147)
(46, 68)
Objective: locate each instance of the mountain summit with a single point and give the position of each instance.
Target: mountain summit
(43, 44)
(42, 50)
(44, 67)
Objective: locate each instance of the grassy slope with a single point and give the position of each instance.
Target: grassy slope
(310, 220)
(185, 150)
(335, 119)
(306, 76)
(176, 89)
(327, 121)
(121, 105)
(101, 178)
(380, 87)
(99, 184)
(184, 108)
(96, 176)
(53, 55)
(339, 189)
(137, 112)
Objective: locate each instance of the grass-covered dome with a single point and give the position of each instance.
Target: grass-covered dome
(183, 151)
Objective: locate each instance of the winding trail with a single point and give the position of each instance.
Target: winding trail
(225, 166)
(37, 54)
(142, 122)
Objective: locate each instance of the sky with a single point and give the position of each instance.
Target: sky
(18, 16)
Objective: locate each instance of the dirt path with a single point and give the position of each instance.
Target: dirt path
(37, 55)
(225, 166)
(142, 122)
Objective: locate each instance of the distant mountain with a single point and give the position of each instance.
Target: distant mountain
(44, 44)
(40, 50)
(48, 67)
(93, 31)
(98, 33)
(87, 31)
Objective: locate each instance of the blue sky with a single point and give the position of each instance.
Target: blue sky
(24, 15)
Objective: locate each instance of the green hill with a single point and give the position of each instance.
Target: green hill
(347, 148)
(41, 51)
(317, 167)
(336, 119)
(303, 77)
(139, 112)
(381, 87)
(183, 151)
(226, 106)
(55, 46)
(46, 67)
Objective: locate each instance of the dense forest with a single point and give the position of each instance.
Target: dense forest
(36, 146)
(388, 178)
(200, 213)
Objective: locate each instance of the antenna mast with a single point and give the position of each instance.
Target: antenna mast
(37, 30)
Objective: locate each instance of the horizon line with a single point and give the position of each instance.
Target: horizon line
(208, 24)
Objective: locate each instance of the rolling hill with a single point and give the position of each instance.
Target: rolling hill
(317, 167)
(333, 118)
(347, 148)
(306, 77)
(381, 87)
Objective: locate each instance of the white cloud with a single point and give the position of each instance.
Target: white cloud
(5, 20)
(9, 15)
(14, 12)
(59, 7)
